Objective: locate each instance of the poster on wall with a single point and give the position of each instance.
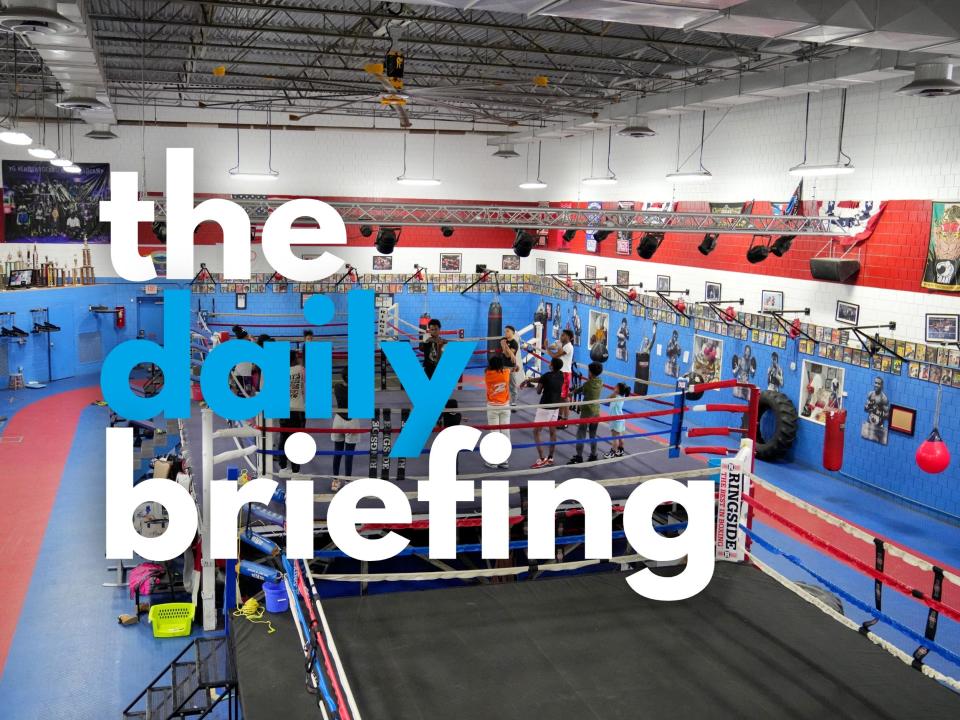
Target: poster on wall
(877, 408)
(775, 373)
(598, 331)
(672, 366)
(821, 387)
(744, 369)
(942, 270)
(623, 336)
(576, 326)
(555, 327)
(642, 368)
(593, 219)
(707, 357)
(625, 237)
(44, 204)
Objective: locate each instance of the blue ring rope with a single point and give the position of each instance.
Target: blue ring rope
(836, 589)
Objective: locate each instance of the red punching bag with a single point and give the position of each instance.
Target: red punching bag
(933, 456)
(836, 422)
(423, 323)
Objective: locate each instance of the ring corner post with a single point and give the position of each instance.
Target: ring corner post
(208, 578)
(676, 426)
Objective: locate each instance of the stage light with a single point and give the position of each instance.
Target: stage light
(649, 243)
(523, 243)
(601, 235)
(446, 230)
(781, 245)
(569, 235)
(366, 230)
(709, 243)
(386, 240)
(757, 253)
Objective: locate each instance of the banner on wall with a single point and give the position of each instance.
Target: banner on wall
(42, 203)
(732, 209)
(593, 219)
(625, 239)
(857, 217)
(942, 269)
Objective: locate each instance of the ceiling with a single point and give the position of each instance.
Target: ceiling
(509, 66)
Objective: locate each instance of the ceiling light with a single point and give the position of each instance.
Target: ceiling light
(537, 184)
(837, 167)
(72, 169)
(597, 181)
(253, 176)
(569, 235)
(446, 230)
(931, 80)
(423, 182)
(44, 153)
(506, 151)
(649, 244)
(701, 174)
(532, 185)
(15, 136)
(366, 230)
(386, 240)
(61, 162)
(782, 245)
(601, 235)
(402, 178)
(709, 243)
(758, 253)
(523, 243)
(804, 170)
(687, 178)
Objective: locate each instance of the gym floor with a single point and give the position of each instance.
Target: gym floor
(62, 654)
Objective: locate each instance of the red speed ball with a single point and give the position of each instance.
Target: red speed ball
(569, 282)
(731, 313)
(681, 305)
(795, 328)
(932, 456)
(597, 291)
(632, 294)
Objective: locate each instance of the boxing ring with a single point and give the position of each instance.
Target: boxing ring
(568, 638)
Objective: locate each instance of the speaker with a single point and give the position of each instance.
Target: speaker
(834, 269)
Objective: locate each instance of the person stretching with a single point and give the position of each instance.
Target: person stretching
(344, 441)
(565, 355)
(617, 427)
(549, 386)
(589, 408)
(497, 380)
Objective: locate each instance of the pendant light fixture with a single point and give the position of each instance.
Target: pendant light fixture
(41, 151)
(537, 184)
(836, 168)
(597, 180)
(73, 168)
(59, 159)
(419, 181)
(264, 176)
(12, 134)
(696, 176)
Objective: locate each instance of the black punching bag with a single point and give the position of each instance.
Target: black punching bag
(494, 327)
(642, 372)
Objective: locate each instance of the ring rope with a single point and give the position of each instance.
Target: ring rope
(840, 592)
(854, 531)
(852, 625)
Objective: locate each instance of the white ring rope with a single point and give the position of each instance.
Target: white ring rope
(853, 625)
(854, 531)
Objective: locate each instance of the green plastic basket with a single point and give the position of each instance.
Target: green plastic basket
(171, 619)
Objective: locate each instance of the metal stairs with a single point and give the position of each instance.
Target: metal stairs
(192, 685)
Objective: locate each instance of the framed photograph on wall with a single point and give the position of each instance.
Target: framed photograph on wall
(663, 283)
(711, 291)
(821, 388)
(590, 272)
(451, 262)
(847, 312)
(623, 278)
(942, 328)
(541, 266)
(771, 300)
(903, 420)
(241, 301)
(509, 262)
(562, 268)
(304, 297)
(383, 262)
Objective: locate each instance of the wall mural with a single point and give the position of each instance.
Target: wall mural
(598, 330)
(673, 352)
(821, 389)
(744, 369)
(623, 336)
(942, 271)
(775, 373)
(707, 357)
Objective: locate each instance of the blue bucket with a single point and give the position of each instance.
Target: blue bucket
(275, 596)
